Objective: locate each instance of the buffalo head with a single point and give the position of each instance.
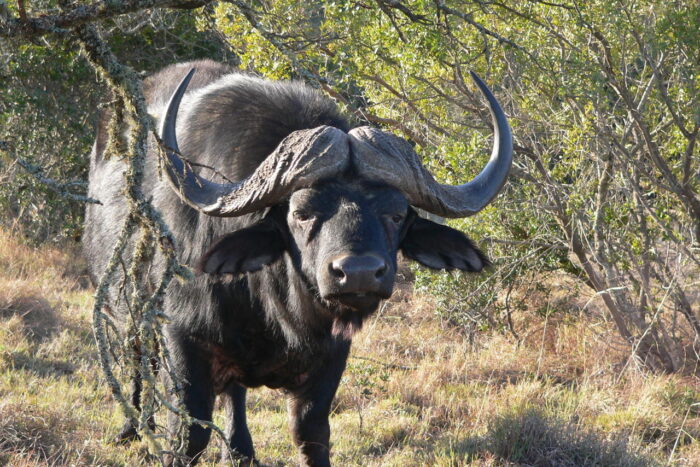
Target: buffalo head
(341, 206)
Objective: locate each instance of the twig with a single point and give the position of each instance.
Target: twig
(22, 10)
(61, 188)
(441, 6)
(385, 364)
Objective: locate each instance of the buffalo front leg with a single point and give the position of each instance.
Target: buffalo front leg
(129, 431)
(238, 439)
(310, 406)
(194, 377)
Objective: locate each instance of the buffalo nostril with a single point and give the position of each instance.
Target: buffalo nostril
(380, 272)
(337, 270)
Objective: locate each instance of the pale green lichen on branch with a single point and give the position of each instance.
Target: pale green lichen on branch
(38, 172)
(145, 337)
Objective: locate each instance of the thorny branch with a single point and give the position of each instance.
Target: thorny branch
(126, 86)
(61, 188)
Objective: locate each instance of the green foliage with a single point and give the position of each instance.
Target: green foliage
(49, 101)
(45, 124)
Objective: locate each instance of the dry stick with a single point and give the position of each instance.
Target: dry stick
(393, 366)
(680, 431)
(163, 149)
(544, 337)
(22, 10)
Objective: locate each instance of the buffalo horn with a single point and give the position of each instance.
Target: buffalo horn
(382, 156)
(302, 158)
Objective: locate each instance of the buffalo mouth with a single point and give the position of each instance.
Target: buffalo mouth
(357, 301)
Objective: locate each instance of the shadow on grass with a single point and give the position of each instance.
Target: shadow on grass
(531, 438)
(38, 318)
(41, 367)
(33, 436)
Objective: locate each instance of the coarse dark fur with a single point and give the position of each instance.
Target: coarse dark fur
(267, 307)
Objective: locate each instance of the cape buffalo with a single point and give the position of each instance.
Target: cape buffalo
(295, 250)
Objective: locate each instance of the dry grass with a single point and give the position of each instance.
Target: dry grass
(415, 393)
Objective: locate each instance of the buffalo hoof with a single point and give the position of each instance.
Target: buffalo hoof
(239, 460)
(126, 435)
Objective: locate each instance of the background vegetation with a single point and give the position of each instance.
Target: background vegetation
(603, 202)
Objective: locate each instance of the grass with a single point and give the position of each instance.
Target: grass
(415, 393)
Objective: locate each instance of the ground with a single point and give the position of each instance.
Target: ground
(416, 392)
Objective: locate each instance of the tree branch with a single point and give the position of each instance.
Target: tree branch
(61, 24)
(440, 4)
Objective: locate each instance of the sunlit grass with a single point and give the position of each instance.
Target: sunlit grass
(415, 392)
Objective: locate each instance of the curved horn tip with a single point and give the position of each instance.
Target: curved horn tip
(188, 77)
(180, 90)
(475, 77)
(182, 87)
(479, 82)
(167, 127)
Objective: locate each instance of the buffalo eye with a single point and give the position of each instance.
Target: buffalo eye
(303, 216)
(396, 219)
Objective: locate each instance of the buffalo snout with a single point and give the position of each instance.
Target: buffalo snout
(357, 281)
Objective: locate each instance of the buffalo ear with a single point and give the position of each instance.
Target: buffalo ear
(440, 247)
(245, 250)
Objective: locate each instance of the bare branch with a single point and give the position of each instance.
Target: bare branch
(441, 6)
(61, 24)
(61, 188)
